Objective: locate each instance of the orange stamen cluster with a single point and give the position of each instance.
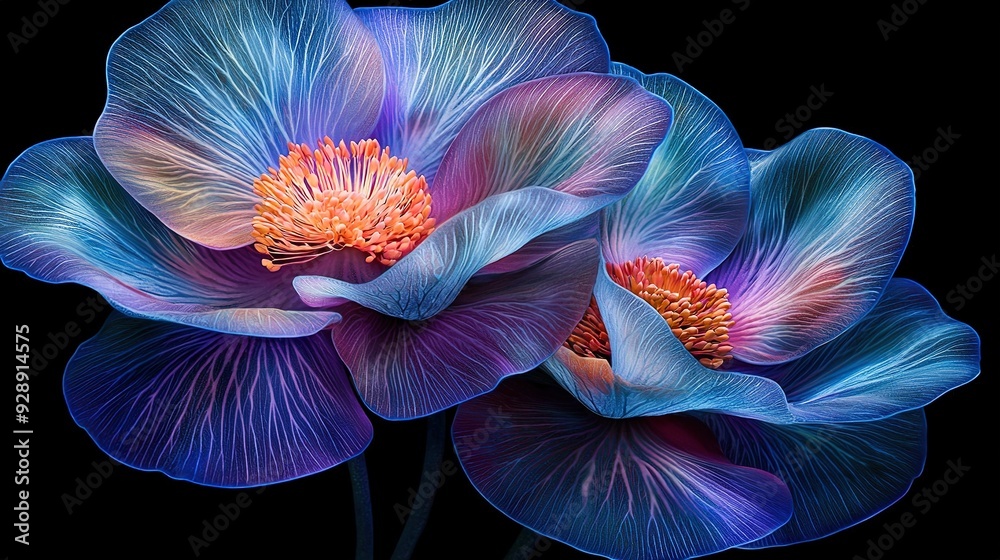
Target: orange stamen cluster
(697, 313)
(336, 197)
(590, 337)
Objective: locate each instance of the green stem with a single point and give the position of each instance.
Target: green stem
(437, 432)
(365, 548)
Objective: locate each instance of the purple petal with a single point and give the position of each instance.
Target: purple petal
(499, 325)
(588, 135)
(626, 489)
(215, 409)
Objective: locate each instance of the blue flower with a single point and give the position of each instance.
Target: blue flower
(419, 184)
(748, 372)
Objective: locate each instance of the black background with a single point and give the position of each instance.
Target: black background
(938, 69)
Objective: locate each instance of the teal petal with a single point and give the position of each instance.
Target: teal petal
(691, 206)
(902, 355)
(830, 216)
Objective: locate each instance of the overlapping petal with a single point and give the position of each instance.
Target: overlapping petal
(215, 409)
(626, 489)
(830, 216)
(535, 158)
(499, 325)
(651, 373)
(65, 219)
(902, 355)
(205, 95)
(444, 63)
(691, 206)
(838, 474)
(588, 135)
(544, 245)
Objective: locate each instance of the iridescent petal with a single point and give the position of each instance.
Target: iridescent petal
(651, 373)
(830, 216)
(626, 489)
(443, 63)
(536, 157)
(65, 219)
(839, 474)
(205, 95)
(499, 325)
(691, 206)
(544, 245)
(902, 355)
(215, 409)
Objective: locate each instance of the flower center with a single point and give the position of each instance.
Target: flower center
(339, 196)
(697, 313)
(590, 337)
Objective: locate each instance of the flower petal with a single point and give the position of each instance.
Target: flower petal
(443, 63)
(65, 219)
(498, 326)
(204, 96)
(589, 135)
(902, 355)
(215, 409)
(839, 474)
(691, 206)
(651, 372)
(543, 246)
(535, 158)
(625, 489)
(830, 216)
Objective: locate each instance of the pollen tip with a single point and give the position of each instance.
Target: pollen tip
(696, 313)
